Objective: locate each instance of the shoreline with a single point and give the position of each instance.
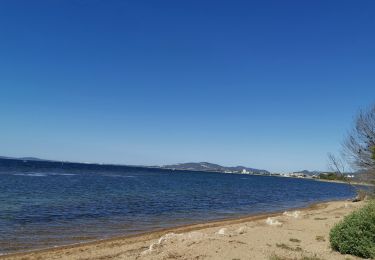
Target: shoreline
(345, 182)
(157, 234)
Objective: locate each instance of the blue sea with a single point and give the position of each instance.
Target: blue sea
(45, 204)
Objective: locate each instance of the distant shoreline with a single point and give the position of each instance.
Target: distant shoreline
(344, 182)
(63, 164)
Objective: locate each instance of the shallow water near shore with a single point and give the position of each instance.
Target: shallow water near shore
(48, 206)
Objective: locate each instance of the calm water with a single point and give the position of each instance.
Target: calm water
(48, 204)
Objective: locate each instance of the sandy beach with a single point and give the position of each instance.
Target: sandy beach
(285, 235)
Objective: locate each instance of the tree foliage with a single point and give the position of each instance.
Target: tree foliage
(359, 146)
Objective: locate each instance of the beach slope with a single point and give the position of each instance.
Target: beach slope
(289, 235)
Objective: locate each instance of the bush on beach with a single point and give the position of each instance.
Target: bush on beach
(355, 235)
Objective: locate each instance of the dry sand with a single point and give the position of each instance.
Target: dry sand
(292, 235)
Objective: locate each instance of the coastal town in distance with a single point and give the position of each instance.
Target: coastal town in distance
(210, 167)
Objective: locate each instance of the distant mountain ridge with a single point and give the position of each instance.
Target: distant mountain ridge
(211, 167)
(23, 158)
(308, 173)
(200, 166)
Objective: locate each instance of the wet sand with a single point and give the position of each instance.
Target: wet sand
(289, 235)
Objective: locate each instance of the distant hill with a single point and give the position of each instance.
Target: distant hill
(31, 159)
(211, 167)
(23, 158)
(201, 166)
(5, 157)
(308, 173)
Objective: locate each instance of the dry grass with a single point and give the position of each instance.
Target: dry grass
(277, 257)
(286, 247)
(310, 258)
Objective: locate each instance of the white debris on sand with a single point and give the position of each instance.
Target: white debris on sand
(294, 214)
(222, 231)
(195, 235)
(171, 238)
(273, 222)
(159, 243)
(241, 230)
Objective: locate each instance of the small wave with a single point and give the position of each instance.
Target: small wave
(120, 176)
(62, 174)
(39, 174)
(32, 174)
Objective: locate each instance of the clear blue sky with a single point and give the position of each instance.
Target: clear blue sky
(266, 84)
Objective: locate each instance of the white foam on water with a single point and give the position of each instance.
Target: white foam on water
(120, 176)
(32, 174)
(40, 174)
(62, 174)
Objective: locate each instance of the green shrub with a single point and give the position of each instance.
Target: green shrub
(331, 176)
(355, 235)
